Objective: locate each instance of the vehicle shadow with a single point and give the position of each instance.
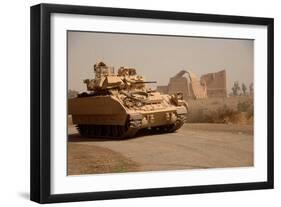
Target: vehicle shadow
(76, 137)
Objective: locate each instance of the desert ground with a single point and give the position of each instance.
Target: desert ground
(194, 146)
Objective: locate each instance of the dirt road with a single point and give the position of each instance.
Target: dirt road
(193, 146)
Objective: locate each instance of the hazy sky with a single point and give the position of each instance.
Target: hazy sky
(158, 57)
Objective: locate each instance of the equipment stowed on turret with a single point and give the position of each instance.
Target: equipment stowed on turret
(119, 105)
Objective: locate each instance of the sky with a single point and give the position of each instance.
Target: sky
(157, 57)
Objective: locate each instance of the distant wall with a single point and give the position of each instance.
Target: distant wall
(209, 85)
(179, 84)
(216, 84)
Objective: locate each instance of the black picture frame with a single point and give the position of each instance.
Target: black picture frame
(41, 96)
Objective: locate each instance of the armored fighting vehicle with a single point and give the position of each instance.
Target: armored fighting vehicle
(119, 105)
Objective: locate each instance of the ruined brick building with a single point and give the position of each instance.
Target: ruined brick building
(209, 85)
(216, 84)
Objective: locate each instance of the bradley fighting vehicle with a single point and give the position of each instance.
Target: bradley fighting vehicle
(119, 105)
